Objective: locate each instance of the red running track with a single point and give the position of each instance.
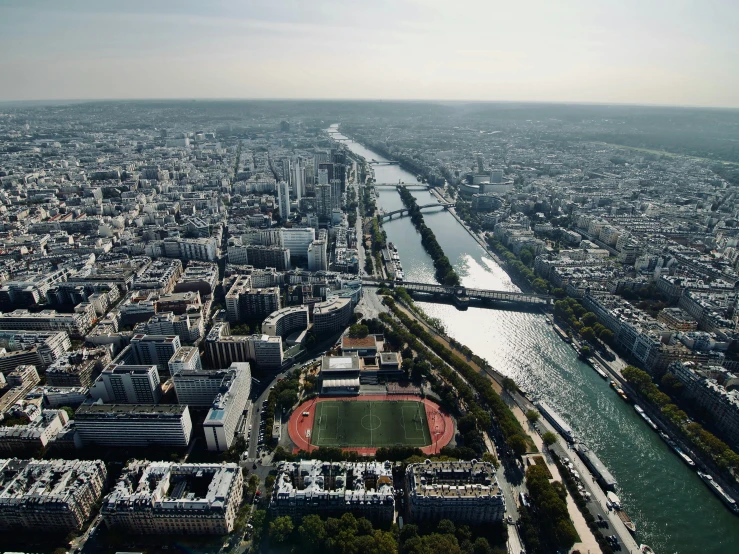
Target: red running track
(441, 425)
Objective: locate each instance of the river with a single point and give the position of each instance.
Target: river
(672, 509)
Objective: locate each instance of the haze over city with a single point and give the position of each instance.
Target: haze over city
(653, 52)
(384, 277)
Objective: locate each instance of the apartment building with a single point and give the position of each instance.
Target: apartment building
(331, 316)
(128, 384)
(175, 499)
(154, 350)
(187, 358)
(223, 349)
(75, 324)
(244, 303)
(227, 408)
(133, 425)
(49, 495)
(464, 492)
(365, 489)
(285, 321)
(76, 369)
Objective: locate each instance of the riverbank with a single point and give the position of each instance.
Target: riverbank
(660, 493)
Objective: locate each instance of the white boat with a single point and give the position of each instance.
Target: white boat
(720, 492)
(644, 549)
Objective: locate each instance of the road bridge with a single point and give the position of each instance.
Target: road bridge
(384, 162)
(404, 211)
(414, 186)
(462, 297)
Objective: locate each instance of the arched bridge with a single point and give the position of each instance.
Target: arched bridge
(411, 186)
(462, 296)
(404, 211)
(385, 162)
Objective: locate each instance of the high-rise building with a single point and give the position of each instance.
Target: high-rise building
(154, 350)
(318, 255)
(244, 303)
(336, 194)
(128, 384)
(175, 499)
(283, 199)
(297, 240)
(268, 256)
(227, 407)
(324, 203)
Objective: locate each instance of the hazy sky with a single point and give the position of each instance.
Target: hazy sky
(632, 51)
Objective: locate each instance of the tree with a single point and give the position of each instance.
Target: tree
(446, 527)
(518, 444)
(549, 438)
(587, 333)
(532, 416)
(509, 385)
(526, 257)
(312, 531)
(589, 319)
(287, 398)
(358, 331)
(69, 411)
(281, 529)
(585, 351)
(490, 458)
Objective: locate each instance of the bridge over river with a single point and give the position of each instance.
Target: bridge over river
(462, 297)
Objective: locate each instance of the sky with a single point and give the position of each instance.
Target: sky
(671, 52)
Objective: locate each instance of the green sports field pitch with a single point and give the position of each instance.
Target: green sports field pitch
(370, 424)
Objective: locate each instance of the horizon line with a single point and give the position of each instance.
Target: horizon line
(51, 101)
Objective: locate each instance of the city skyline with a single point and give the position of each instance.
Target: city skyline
(471, 51)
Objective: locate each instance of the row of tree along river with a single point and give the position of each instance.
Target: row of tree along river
(672, 509)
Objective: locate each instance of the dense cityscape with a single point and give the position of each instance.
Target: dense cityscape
(276, 326)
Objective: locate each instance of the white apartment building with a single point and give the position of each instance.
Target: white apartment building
(228, 406)
(297, 240)
(186, 358)
(134, 425)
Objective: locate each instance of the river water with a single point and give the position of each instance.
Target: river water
(672, 509)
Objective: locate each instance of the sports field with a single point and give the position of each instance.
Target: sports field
(371, 423)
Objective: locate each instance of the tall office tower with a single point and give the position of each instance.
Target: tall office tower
(297, 179)
(287, 170)
(329, 167)
(496, 176)
(336, 194)
(323, 200)
(283, 198)
(319, 158)
(322, 177)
